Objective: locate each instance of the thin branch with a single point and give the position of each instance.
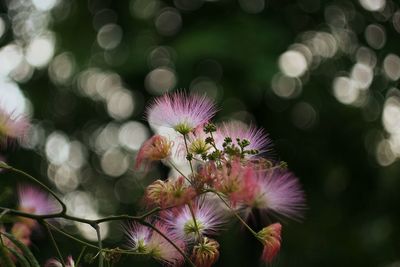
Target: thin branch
(187, 151)
(3, 165)
(93, 223)
(235, 213)
(54, 243)
(97, 228)
(4, 212)
(80, 256)
(169, 241)
(73, 237)
(194, 220)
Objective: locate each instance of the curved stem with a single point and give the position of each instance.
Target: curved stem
(8, 167)
(187, 152)
(97, 228)
(235, 213)
(80, 256)
(169, 241)
(4, 212)
(194, 220)
(46, 225)
(179, 171)
(4, 255)
(94, 223)
(73, 237)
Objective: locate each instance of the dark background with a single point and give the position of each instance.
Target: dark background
(352, 196)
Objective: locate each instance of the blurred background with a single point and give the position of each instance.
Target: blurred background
(319, 76)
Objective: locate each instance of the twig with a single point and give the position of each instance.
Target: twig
(54, 243)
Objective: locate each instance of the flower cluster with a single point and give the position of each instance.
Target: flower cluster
(230, 173)
(233, 174)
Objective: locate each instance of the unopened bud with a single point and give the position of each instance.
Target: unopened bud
(206, 253)
(270, 237)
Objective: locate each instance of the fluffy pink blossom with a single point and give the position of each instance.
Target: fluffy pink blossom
(12, 127)
(36, 201)
(55, 263)
(209, 218)
(147, 241)
(180, 111)
(277, 191)
(257, 137)
(235, 180)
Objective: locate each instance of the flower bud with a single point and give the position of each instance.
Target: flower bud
(206, 253)
(270, 237)
(156, 148)
(169, 193)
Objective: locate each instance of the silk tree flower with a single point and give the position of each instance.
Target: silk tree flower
(257, 137)
(12, 127)
(270, 237)
(180, 111)
(145, 240)
(156, 148)
(275, 191)
(234, 179)
(36, 201)
(205, 253)
(172, 192)
(209, 219)
(55, 263)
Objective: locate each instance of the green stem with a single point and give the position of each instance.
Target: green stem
(4, 212)
(8, 167)
(194, 220)
(5, 256)
(169, 241)
(80, 256)
(187, 151)
(235, 213)
(72, 237)
(93, 223)
(179, 171)
(54, 243)
(97, 228)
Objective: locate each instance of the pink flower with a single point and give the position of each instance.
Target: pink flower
(235, 180)
(277, 191)
(270, 237)
(156, 148)
(257, 137)
(147, 241)
(209, 219)
(55, 263)
(12, 127)
(180, 111)
(34, 200)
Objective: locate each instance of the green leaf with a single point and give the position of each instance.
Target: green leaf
(5, 257)
(26, 251)
(21, 259)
